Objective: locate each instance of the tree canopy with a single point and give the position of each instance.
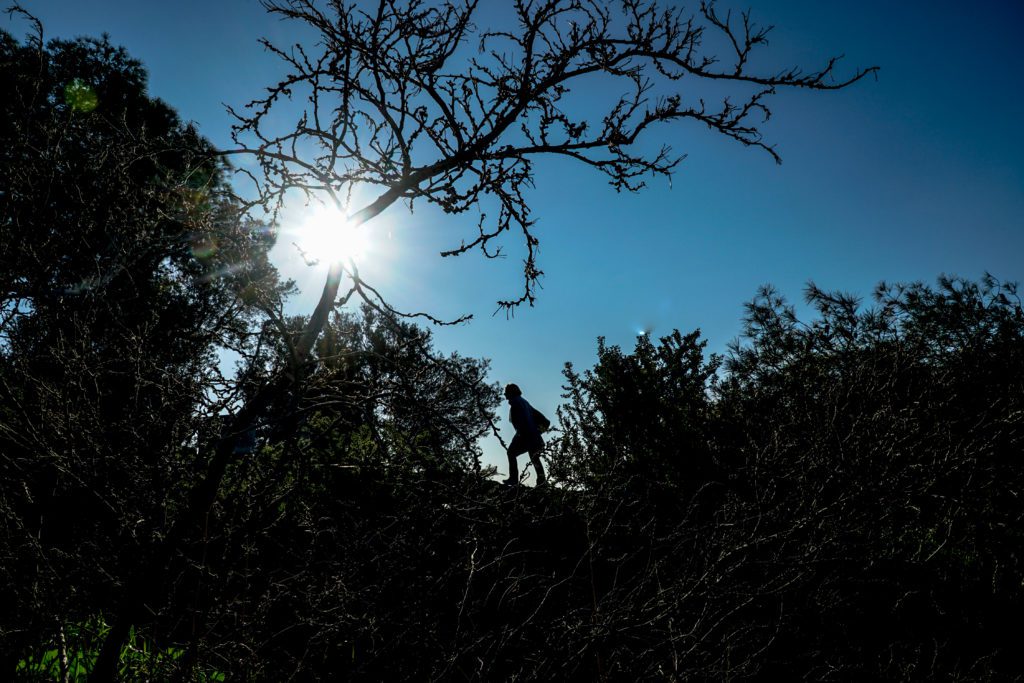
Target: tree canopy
(125, 265)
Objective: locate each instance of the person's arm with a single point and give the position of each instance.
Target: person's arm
(517, 415)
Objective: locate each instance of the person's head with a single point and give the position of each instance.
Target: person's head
(512, 390)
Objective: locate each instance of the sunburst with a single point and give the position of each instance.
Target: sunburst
(325, 236)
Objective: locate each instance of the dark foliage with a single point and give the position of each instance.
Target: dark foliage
(880, 450)
(326, 541)
(123, 266)
(394, 105)
(840, 501)
(641, 417)
(836, 498)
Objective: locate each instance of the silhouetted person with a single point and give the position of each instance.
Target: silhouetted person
(527, 439)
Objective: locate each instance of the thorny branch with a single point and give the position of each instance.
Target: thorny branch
(398, 102)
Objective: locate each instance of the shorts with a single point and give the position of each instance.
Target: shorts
(524, 444)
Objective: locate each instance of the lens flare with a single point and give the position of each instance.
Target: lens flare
(80, 96)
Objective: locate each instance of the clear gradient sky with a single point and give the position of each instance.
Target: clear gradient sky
(917, 173)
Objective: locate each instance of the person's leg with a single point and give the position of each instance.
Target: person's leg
(538, 467)
(513, 470)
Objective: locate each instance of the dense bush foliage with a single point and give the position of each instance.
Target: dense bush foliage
(836, 497)
(123, 268)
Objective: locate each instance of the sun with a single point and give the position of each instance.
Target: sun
(325, 236)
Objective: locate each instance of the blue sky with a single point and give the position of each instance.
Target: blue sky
(914, 174)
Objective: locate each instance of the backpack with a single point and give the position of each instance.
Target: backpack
(543, 424)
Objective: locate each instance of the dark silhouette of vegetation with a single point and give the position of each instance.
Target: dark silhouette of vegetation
(397, 109)
(845, 505)
(399, 103)
(837, 497)
(124, 266)
(839, 500)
